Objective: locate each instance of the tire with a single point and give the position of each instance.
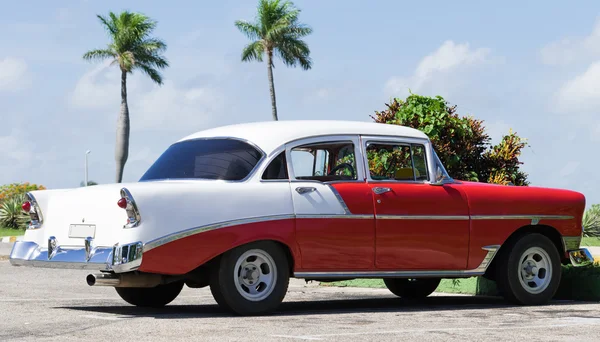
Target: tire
(239, 271)
(529, 270)
(152, 297)
(412, 288)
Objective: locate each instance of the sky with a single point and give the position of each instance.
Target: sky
(533, 67)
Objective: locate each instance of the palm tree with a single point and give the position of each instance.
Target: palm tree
(276, 30)
(131, 48)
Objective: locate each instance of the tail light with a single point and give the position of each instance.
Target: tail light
(126, 202)
(32, 208)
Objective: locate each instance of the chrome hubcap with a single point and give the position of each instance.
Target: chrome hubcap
(255, 275)
(535, 270)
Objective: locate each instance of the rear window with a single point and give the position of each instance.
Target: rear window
(222, 159)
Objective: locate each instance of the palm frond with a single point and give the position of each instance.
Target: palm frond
(253, 51)
(151, 72)
(250, 30)
(100, 54)
(294, 51)
(108, 24)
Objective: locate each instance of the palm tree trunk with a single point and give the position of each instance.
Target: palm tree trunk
(122, 143)
(271, 83)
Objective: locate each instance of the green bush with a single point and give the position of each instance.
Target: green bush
(591, 221)
(11, 213)
(461, 142)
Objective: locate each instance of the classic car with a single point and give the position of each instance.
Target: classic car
(244, 208)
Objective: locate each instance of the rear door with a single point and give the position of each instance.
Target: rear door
(335, 225)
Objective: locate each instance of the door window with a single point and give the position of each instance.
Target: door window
(395, 161)
(329, 161)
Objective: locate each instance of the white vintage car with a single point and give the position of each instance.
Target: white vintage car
(243, 208)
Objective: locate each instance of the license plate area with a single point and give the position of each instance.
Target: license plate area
(82, 231)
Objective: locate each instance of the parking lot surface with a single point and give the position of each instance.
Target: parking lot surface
(49, 305)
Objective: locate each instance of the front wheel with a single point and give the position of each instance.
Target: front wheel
(251, 279)
(412, 288)
(153, 297)
(529, 270)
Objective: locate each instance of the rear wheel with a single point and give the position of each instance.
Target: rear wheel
(529, 270)
(251, 279)
(412, 288)
(154, 297)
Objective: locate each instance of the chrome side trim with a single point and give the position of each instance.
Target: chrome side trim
(480, 270)
(334, 216)
(340, 199)
(571, 242)
(422, 217)
(206, 228)
(118, 258)
(521, 217)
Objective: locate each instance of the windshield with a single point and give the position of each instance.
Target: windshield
(222, 159)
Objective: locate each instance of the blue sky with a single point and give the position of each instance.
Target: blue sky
(526, 66)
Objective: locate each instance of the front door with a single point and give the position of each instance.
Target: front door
(335, 224)
(419, 226)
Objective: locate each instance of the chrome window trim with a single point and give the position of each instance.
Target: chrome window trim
(479, 270)
(249, 176)
(324, 139)
(395, 140)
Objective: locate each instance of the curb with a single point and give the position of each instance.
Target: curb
(9, 239)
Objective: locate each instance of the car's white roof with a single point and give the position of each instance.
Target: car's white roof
(269, 135)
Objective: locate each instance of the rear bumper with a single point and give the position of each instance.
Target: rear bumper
(119, 258)
(580, 257)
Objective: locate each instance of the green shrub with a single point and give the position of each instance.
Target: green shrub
(591, 221)
(461, 142)
(11, 213)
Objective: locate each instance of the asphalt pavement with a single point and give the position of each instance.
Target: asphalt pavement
(48, 305)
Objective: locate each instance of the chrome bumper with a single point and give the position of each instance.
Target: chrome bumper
(580, 257)
(119, 258)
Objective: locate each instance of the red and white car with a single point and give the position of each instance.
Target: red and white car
(243, 208)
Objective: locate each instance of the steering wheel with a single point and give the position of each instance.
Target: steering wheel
(340, 166)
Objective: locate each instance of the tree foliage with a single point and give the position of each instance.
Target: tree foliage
(11, 190)
(276, 31)
(460, 141)
(131, 47)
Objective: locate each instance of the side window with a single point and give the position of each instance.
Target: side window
(325, 162)
(403, 162)
(277, 169)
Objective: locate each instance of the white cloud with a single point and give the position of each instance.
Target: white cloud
(571, 50)
(436, 70)
(582, 93)
(16, 154)
(14, 74)
(166, 107)
(569, 168)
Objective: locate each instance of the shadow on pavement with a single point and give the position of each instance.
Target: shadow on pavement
(371, 305)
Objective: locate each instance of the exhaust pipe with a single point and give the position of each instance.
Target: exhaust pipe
(124, 280)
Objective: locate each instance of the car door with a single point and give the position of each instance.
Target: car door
(335, 223)
(419, 226)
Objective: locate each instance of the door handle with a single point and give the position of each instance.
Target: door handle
(304, 190)
(379, 190)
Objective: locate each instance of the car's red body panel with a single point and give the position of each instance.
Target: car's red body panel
(474, 215)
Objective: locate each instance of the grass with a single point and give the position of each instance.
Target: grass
(590, 241)
(11, 232)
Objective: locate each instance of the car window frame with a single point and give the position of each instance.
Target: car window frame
(366, 140)
(358, 156)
